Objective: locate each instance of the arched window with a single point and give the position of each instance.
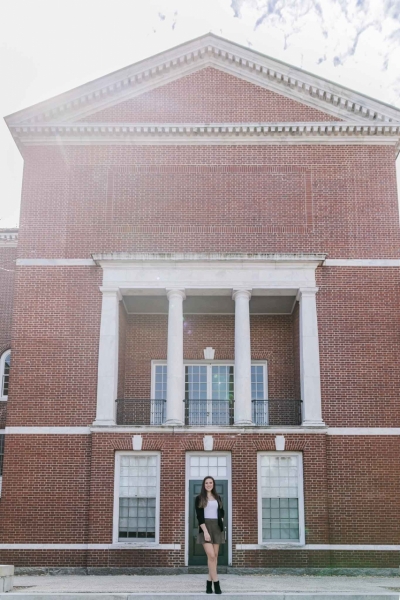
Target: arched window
(4, 374)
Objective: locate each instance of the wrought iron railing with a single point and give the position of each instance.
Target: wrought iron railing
(133, 411)
(209, 412)
(273, 412)
(276, 411)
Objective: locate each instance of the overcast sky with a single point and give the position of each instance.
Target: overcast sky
(50, 46)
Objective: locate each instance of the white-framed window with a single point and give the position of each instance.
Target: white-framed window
(209, 385)
(5, 362)
(209, 379)
(136, 497)
(280, 498)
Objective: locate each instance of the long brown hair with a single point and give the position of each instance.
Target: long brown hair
(203, 500)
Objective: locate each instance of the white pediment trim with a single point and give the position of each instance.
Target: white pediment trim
(208, 50)
(325, 133)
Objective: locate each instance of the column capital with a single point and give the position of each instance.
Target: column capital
(311, 291)
(111, 292)
(176, 292)
(241, 293)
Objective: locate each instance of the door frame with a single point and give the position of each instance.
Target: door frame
(228, 478)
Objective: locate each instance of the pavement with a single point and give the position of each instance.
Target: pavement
(137, 587)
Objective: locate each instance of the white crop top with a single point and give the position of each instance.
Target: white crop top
(211, 510)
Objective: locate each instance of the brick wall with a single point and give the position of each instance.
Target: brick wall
(364, 489)
(359, 324)
(335, 469)
(209, 96)
(55, 346)
(210, 198)
(45, 492)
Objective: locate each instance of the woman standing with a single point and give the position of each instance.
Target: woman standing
(210, 515)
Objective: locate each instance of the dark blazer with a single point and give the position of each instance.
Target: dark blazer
(200, 515)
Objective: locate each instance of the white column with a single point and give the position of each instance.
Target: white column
(175, 377)
(310, 377)
(107, 375)
(243, 414)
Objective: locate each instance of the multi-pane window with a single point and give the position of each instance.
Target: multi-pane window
(257, 382)
(201, 466)
(159, 395)
(196, 387)
(5, 362)
(222, 382)
(280, 491)
(138, 493)
(209, 392)
(160, 384)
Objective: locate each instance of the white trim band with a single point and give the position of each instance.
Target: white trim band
(88, 262)
(205, 430)
(318, 133)
(363, 431)
(55, 262)
(362, 262)
(277, 546)
(131, 546)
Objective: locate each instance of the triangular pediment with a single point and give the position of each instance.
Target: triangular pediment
(271, 78)
(208, 95)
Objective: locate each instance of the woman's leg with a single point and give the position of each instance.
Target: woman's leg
(216, 550)
(212, 561)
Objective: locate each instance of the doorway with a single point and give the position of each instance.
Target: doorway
(217, 464)
(197, 556)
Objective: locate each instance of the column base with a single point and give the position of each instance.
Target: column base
(244, 423)
(105, 423)
(311, 423)
(174, 423)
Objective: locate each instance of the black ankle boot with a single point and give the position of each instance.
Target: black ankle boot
(209, 587)
(217, 588)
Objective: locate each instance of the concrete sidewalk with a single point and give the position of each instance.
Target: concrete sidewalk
(273, 587)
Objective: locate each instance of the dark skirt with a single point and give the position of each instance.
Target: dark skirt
(217, 536)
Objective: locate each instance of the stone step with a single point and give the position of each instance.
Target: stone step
(196, 596)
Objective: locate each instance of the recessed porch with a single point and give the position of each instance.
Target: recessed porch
(208, 397)
(209, 341)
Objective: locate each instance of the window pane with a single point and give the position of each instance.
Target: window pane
(137, 491)
(279, 490)
(195, 382)
(222, 382)
(279, 523)
(257, 382)
(4, 376)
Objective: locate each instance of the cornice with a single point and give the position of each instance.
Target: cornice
(208, 50)
(209, 257)
(8, 238)
(217, 133)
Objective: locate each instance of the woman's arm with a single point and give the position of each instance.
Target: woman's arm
(207, 536)
(200, 519)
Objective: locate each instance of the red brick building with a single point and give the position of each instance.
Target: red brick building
(207, 282)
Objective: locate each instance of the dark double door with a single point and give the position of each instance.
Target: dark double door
(197, 555)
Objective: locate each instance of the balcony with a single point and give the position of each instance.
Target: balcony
(202, 413)
(133, 411)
